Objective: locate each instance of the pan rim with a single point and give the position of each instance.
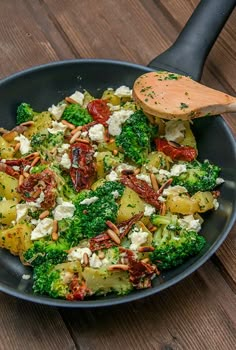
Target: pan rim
(141, 293)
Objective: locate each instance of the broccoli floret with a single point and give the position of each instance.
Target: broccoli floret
(45, 142)
(112, 255)
(173, 244)
(65, 187)
(135, 137)
(48, 280)
(198, 177)
(24, 113)
(41, 251)
(89, 219)
(76, 115)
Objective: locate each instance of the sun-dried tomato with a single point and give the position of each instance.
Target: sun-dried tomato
(35, 184)
(99, 110)
(176, 151)
(78, 290)
(142, 189)
(141, 274)
(82, 169)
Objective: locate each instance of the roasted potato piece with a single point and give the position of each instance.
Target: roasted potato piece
(42, 121)
(111, 97)
(7, 211)
(102, 281)
(6, 150)
(205, 201)
(130, 205)
(16, 239)
(189, 138)
(156, 160)
(182, 205)
(8, 185)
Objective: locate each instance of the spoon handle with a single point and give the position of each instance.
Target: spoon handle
(188, 54)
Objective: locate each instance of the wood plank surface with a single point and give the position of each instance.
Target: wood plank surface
(25, 325)
(199, 312)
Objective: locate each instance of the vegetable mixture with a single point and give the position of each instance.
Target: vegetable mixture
(99, 200)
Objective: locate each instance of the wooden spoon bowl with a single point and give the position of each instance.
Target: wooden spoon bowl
(173, 96)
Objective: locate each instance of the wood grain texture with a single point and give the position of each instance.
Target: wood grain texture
(191, 315)
(30, 326)
(199, 312)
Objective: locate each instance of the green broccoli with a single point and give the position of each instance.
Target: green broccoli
(198, 177)
(76, 115)
(46, 142)
(48, 280)
(43, 250)
(89, 220)
(173, 244)
(24, 113)
(135, 137)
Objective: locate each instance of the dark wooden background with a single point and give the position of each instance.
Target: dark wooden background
(199, 312)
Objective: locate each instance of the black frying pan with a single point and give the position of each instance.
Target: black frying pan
(41, 86)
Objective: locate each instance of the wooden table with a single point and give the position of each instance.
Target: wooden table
(199, 312)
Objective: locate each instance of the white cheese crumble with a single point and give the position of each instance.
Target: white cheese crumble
(219, 181)
(117, 119)
(145, 178)
(84, 134)
(22, 210)
(44, 228)
(174, 130)
(24, 143)
(178, 169)
(112, 176)
(124, 166)
(64, 210)
(77, 253)
(137, 237)
(16, 168)
(149, 210)
(26, 277)
(95, 262)
(57, 127)
(215, 204)
(163, 175)
(113, 108)
(174, 191)
(40, 199)
(57, 111)
(123, 91)
(189, 223)
(65, 161)
(89, 201)
(78, 97)
(115, 194)
(96, 133)
(64, 147)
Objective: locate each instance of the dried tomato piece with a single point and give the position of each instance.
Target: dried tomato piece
(176, 151)
(141, 274)
(78, 289)
(142, 189)
(99, 110)
(82, 169)
(35, 184)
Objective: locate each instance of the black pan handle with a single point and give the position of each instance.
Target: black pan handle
(189, 52)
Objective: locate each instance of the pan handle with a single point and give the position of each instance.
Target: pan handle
(189, 52)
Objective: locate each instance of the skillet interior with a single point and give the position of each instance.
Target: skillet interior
(44, 85)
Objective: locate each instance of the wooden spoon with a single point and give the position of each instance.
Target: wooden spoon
(173, 96)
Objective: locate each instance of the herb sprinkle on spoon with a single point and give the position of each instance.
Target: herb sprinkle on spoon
(172, 96)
